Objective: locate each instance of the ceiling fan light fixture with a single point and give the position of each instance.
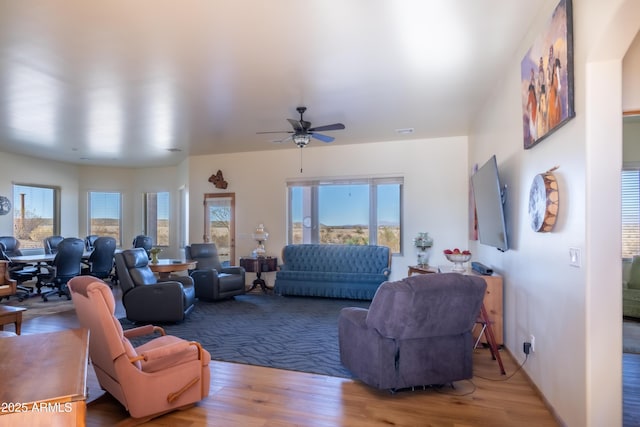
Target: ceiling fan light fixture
(301, 140)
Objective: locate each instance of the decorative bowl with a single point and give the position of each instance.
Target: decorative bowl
(458, 260)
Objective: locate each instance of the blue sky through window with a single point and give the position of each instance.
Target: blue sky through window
(107, 205)
(349, 204)
(38, 201)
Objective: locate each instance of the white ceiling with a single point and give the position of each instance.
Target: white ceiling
(118, 82)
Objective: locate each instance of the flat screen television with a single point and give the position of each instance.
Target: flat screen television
(489, 197)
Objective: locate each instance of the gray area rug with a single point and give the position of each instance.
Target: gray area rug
(293, 333)
(630, 336)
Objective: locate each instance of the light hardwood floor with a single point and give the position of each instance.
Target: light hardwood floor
(243, 395)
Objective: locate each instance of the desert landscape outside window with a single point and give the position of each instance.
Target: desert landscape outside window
(359, 211)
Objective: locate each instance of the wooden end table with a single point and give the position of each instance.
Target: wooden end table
(164, 267)
(259, 265)
(9, 314)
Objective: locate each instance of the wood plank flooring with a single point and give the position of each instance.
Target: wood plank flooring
(243, 395)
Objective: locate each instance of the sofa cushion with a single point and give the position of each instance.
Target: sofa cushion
(329, 276)
(334, 271)
(335, 258)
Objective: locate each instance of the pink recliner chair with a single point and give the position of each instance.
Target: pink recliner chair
(165, 374)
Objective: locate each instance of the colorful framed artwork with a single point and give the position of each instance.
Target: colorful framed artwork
(546, 73)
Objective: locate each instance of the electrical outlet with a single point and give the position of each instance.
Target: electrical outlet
(532, 340)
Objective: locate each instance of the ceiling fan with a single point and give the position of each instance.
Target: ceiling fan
(303, 132)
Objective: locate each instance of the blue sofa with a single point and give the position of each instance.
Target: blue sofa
(334, 271)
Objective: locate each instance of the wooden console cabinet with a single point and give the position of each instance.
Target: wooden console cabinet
(492, 303)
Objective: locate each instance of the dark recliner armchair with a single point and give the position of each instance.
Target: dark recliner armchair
(145, 299)
(51, 244)
(416, 332)
(213, 281)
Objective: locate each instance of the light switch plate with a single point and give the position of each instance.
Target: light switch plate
(575, 257)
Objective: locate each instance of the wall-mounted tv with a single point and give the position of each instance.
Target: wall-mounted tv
(489, 197)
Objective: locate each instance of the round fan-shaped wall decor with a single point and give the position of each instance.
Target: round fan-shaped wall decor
(5, 205)
(544, 201)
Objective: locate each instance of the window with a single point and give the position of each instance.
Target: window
(36, 214)
(630, 213)
(105, 215)
(363, 211)
(156, 217)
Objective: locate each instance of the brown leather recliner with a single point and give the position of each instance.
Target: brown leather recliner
(165, 374)
(146, 299)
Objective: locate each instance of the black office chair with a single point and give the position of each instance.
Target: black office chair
(9, 248)
(142, 241)
(51, 244)
(66, 264)
(100, 262)
(89, 242)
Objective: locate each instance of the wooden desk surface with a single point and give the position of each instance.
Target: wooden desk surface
(45, 258)
(49, 367)
(7, 309)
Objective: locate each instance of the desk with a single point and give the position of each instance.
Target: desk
(40, 258)
(55, 385)
(33, 259)
(259, 265)
(164, 267)
(10, 314)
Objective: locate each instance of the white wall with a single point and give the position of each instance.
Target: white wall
(132, 183)
(631, 102)
(631, 77)
(26, 170)
(75, 181)
(435, 189)
(574, 313)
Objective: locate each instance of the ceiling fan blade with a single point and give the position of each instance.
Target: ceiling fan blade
(335, 126)
(285, 139)
(321, 137)
(275, 131)
(297, 126)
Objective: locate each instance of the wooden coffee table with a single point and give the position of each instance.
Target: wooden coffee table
(9, 314)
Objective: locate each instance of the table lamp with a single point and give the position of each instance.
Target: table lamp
(260, 236)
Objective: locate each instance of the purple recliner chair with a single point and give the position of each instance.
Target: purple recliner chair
(416, 332)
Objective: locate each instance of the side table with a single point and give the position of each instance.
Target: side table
(10, 314)
(421, 269)
(259, 265)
